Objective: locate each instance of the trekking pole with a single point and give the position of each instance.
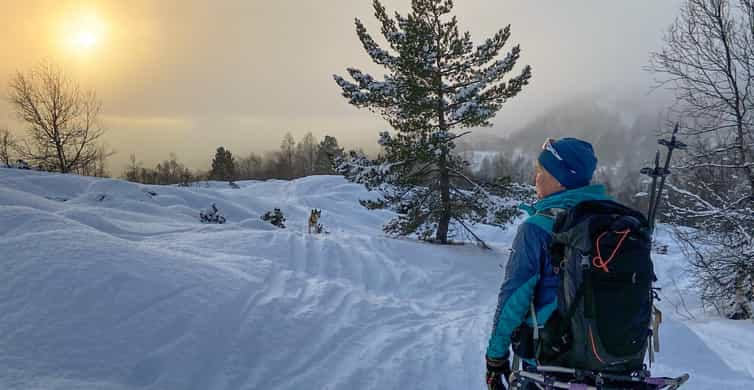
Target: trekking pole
(671, 145)
(655, 196)
(662, 173)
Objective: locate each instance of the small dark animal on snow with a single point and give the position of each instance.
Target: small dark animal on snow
(314, 225)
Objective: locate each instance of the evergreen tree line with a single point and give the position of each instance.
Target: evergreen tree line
(308, 156)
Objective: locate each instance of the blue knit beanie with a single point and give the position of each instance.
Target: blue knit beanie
(572, 163)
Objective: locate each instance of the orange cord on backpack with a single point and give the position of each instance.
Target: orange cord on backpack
(598, 261)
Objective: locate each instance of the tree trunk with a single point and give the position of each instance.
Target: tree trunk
(444, 223)
(741, 308)
(61, 159)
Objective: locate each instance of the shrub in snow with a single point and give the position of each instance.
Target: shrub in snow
(211, 215)
(21, 164)
(275, 217)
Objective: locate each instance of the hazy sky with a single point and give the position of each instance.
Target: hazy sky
(188, 76)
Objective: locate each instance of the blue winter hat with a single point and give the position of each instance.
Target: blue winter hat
(570, 160)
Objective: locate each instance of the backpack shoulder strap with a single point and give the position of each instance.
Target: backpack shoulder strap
(544, 222)
(546, 218)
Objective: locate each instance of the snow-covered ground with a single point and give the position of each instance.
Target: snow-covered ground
(107, 284)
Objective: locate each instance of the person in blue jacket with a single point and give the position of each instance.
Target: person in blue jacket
(564, 171)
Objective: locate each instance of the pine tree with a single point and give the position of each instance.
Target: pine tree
(327, 153)
(437, 81)
(230, 166)
(357, 168)
(223, 165)
(132, 170)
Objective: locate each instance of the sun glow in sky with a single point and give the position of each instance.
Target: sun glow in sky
(83, 32)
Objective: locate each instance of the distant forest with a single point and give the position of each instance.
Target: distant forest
(308, 156)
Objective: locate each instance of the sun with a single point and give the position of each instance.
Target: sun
(83, 32)
(84, 39)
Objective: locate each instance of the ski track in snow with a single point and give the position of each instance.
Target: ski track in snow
(106, 286)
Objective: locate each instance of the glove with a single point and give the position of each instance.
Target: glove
(497, 371)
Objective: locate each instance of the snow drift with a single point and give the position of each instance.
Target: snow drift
(107, 284)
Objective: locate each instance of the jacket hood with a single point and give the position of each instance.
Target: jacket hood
(568, 198)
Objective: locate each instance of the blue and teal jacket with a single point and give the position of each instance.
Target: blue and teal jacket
(529, 274)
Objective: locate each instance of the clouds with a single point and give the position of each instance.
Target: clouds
(245, 71)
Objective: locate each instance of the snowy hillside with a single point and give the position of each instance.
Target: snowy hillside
(107, 284)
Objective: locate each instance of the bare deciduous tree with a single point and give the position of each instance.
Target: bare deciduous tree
(287, 156)
(167, 172)
(250, 167)
(7, 144)
(708, 60)
(306, 155)
(62, 119)
(132, 170)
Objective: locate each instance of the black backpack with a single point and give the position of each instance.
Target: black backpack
(601, 252)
